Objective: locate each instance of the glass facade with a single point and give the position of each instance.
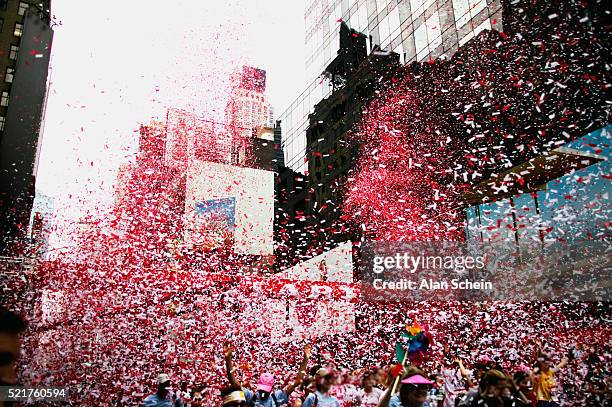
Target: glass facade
(418, 30)
(575, 206)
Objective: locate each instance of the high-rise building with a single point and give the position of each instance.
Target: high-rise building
(417, 30)
(25, 45)
(247, 106)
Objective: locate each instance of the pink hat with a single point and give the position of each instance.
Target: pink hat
(266, 382)
(416, 379)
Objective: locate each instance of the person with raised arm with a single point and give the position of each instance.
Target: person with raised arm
(543, 378)
(265, 395)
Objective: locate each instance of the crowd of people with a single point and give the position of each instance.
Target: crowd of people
(487, 384)
(522, 354)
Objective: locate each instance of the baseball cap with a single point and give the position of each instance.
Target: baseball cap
(163, 378)
(416, 379)
(266, 382)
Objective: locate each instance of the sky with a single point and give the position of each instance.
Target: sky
(116, 64)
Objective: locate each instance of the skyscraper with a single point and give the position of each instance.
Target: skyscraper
(247, 106)
(25, 44)
(417, 30)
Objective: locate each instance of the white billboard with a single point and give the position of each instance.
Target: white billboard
(333, 265)
(229, 205)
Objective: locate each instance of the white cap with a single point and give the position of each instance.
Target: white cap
(163, 378)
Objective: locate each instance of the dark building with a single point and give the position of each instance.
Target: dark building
(263, 149)
(331, 153)
(307, 207)
(25, 42)
(292, 198)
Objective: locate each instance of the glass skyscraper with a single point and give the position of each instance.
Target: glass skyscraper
(417, 30)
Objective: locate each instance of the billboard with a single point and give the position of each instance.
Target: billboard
(333, 265)
(214, 222)
(229, 205)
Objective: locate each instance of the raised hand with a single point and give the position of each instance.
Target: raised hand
(307, 351)
(228, 350)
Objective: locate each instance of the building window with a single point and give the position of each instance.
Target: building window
(23, 6)
(1, 24)
(3, 4)
(18, 30)
(4, 99)
(8, 76)
(2, 120)
(13, 52)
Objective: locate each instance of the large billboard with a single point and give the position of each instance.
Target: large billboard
(229, 205)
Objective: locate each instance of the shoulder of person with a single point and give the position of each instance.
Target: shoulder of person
(248, 394)
(281, 394)
(308, 401)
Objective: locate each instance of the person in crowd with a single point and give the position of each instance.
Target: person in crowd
(304, 389)
(233, 396)
(197, 398)
(481, 367)
(369, 395)
(453, 382)
(598, 385)
(163, 397)
(11, 326)
(523, 393)
(494, 390)
(435, 398)
(379, 378)
(324, 381)
(544, 379)
(265, 395)
(413, 391)
(348, 391)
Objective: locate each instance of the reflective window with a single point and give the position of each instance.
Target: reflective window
(23, 6)
(4, 99)
(13, 52)
(8, 75)
(18, 30)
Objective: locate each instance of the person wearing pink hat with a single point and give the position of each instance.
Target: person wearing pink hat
(413, 391)
(265, 395)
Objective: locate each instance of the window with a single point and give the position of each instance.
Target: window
(4, 99)
(18, 30)
(1, 24)
(3, 4)
(22, 8)
(8, 76)
(2, 120)
(13, 52)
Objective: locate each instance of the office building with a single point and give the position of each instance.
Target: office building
(25, 43)
(247, 106)
(417, 30)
